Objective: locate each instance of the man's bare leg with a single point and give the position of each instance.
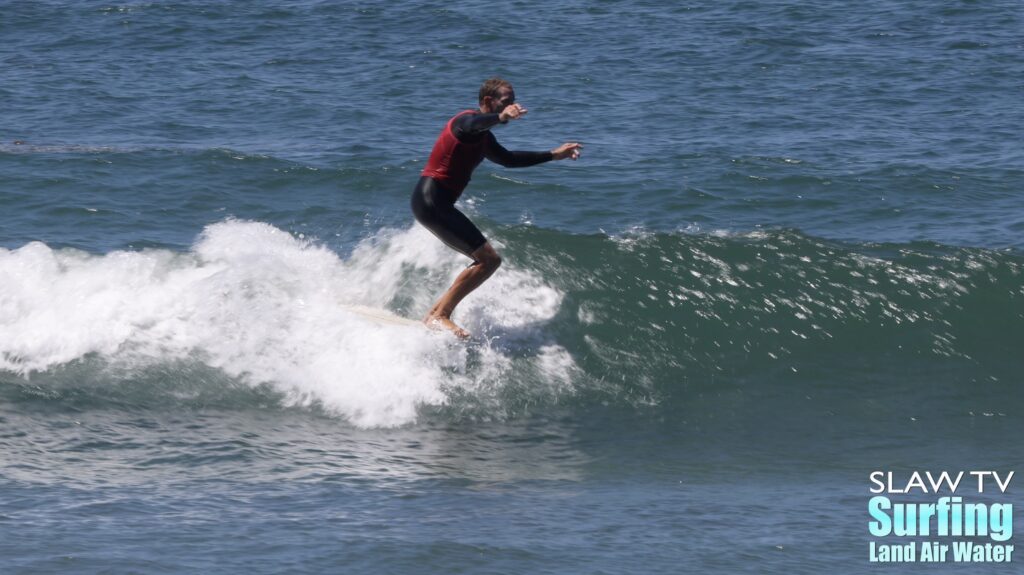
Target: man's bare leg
(486, 261)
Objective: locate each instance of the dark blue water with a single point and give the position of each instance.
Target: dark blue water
(789, 256)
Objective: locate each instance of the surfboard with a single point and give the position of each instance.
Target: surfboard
(385, 317)
(381, 316)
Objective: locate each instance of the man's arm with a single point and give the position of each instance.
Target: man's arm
(496, 153)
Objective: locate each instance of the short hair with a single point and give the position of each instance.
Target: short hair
(491, 88)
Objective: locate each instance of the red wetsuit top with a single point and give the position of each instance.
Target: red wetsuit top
(463, 143)
(452, 161)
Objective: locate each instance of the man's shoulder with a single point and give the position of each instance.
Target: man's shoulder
(461, 126)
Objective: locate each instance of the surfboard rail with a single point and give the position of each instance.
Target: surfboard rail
(381, 316)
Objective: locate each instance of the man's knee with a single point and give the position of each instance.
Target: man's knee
(487, 257)
(494, 262)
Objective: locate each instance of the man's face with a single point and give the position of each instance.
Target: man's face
(506, 97)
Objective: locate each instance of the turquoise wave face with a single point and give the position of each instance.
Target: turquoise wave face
(779, 298)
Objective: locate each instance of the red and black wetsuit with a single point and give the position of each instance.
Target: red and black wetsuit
(463, 143)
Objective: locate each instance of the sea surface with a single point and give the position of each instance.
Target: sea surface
(790, 255)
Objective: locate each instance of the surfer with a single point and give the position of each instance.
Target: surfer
(463, 143)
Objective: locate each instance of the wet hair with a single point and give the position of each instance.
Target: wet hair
(492, 87)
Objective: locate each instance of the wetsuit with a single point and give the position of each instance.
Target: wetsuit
(463, 143)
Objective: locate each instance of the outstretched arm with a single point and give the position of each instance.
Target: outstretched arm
(496, 153)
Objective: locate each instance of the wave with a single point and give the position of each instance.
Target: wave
(266, 309)
(779, 297)
(254, 316)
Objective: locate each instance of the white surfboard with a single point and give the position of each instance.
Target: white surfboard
(381, 316)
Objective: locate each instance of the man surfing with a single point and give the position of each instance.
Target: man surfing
(464, 142)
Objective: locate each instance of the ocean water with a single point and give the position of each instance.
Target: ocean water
(789, 256)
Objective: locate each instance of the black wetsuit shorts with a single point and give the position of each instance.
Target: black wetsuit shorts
(434, 207)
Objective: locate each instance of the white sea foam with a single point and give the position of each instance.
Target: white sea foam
(267, 308)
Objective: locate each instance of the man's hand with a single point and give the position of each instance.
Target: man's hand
(511, 112)
(568, 150)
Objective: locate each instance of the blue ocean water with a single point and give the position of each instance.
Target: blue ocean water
(789, 256)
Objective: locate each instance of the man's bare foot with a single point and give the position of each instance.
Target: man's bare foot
(437, 322)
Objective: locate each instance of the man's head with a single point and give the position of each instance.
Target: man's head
(495, 95)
